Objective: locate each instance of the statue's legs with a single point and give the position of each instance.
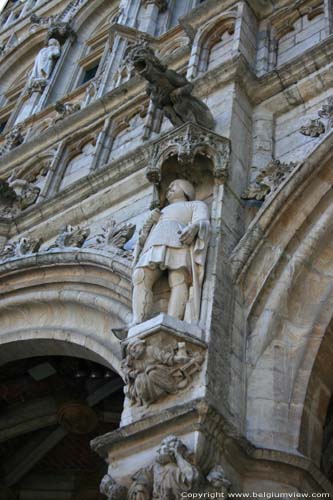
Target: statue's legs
(144, 279)
(179, 293)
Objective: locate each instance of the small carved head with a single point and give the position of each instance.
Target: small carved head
(137, 349)
(168, 447)
(217, 478)
(143, 59)
(179, 189)
(53, 42)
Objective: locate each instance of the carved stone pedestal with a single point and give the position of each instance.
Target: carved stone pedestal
(162, 366)
(163, 456)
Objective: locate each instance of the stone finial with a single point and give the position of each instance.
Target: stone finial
(152, 372)
(169, 90)
(268, 180)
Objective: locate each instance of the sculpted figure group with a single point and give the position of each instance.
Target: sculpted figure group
(171, 474)
(152, 372)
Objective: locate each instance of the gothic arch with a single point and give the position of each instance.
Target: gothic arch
(83, 295)
(286, 256)
(206, 37)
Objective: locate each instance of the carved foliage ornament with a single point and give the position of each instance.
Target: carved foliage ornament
(268, 180)
(20, 248)
(152, 372)
(316, 127)
(172, 474)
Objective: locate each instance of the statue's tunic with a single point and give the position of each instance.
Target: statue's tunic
(163, 247)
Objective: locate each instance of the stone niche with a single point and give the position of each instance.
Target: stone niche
(197, 155)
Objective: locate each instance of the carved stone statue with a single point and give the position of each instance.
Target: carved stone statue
(113, 238)
(152, 372)
(27, 193)
(45, 61)
(65, 109)
(168, 90)
(170, 475)
(173, 240)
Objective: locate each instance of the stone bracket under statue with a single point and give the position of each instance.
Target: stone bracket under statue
(162, 366)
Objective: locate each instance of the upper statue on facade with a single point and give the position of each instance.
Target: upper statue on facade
(168, 90)
(174, 239)
(45, 62)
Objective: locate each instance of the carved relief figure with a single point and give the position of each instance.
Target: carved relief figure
(70, 236)
(170, 475)
(169, 90)
(175, 240)
(152, 372)
(45, 61)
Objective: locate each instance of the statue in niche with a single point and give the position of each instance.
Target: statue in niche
(44, 63)
(169, 90)
(152, 372)
(175, 240)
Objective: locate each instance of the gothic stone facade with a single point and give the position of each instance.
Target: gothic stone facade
(235, 393)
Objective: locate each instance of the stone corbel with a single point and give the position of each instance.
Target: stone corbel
(185, 143)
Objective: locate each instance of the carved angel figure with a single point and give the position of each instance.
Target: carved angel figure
(169, 90)
(152, 372)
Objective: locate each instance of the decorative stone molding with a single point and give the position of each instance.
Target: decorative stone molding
(185, 143)
(314, 128)
(268, 180)
(70, 237)
(152, 372)
(20, 248)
